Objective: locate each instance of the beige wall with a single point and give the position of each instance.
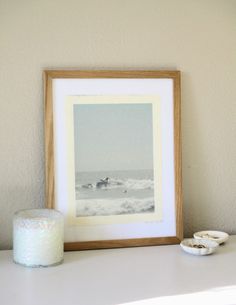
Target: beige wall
(197, 37)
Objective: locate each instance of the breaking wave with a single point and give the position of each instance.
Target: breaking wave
(105, 207)
(129, 184)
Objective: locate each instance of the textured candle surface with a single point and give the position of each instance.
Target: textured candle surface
(38, 237)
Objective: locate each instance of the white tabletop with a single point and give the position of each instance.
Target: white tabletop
(118, 276)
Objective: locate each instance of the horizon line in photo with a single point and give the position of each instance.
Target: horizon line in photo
(115, 170)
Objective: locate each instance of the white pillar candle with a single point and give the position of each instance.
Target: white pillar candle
(38, 237)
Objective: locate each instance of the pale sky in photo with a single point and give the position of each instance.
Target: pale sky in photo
(113, 137)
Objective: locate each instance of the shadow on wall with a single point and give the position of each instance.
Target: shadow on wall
(200, 173)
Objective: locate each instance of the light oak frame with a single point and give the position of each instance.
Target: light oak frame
(49, 75)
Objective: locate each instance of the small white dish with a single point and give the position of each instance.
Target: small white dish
(199, 246)
(218, 236)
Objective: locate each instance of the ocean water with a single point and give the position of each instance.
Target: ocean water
(114, 193)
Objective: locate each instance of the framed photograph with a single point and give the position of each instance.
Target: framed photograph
(113, 156)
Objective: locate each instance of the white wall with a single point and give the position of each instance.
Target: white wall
(196, 37)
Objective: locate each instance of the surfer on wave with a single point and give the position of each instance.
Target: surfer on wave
(103, 182)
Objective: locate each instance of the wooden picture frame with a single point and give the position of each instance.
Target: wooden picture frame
(67, 92)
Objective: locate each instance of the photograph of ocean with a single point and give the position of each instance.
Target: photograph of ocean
(114, 193)
(113, 145)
